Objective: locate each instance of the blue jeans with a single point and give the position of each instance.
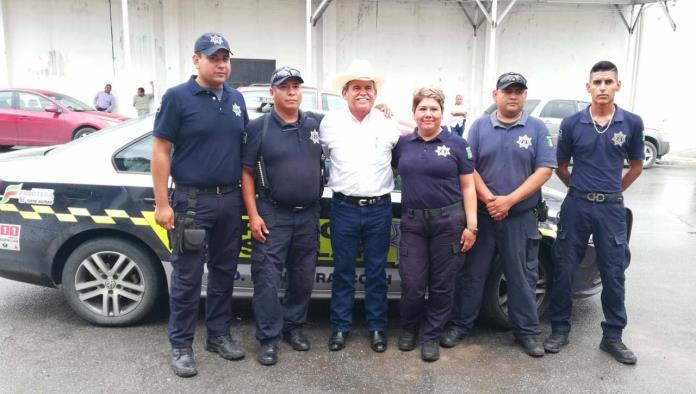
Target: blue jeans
(351, 226)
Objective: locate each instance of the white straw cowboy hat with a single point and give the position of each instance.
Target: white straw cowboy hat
(358, 70)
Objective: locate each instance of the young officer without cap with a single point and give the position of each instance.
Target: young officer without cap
(284, 219)
(438, 221)
(597, 139)
(203, 120)
(514, 157)
(359, 141)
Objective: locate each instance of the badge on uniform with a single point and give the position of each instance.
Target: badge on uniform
(314, 136)
(442, 150)
(469, 155)
(524, 141)
(237, 111)
(619, 138)
(549, 142)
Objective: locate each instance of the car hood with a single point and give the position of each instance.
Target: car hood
(26, 153)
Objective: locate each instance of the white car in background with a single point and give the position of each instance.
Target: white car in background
(552, 112)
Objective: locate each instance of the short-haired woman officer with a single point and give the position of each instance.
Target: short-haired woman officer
(438, 221)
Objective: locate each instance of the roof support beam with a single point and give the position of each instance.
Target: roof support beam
(474, 25)
(630, 26)
(666, 10)
(319, 12)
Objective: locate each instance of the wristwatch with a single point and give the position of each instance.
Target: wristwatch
(473, 230)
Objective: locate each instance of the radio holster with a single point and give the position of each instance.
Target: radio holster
(185, 237)
(541, 210)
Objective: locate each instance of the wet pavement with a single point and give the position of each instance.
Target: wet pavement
(45, 347)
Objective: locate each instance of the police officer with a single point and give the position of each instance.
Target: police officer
(203, 120)
(283, 148)
(514, 157)
(597, 139)
(436, 169)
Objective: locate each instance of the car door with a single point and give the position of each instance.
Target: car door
(553, 113)
(8, 119)
(36, 126)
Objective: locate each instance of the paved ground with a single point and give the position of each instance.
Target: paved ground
(44, 347)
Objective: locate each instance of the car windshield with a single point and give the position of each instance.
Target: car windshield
(69, 102)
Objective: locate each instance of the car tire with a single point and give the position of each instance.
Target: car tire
(83, 132)
(650, 154)
(5, 147)
(494, 306)
(112, 282)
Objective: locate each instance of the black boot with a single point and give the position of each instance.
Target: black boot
(618, 350)
(182, 362)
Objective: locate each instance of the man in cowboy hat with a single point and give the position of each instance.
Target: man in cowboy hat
(359, 140)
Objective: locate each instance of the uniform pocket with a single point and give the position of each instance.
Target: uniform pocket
(533, 241)
(621, 242)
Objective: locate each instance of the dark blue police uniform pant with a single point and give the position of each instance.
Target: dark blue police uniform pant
(430, 256)
(515, 240)
(607, 224)
(351, 226)
(292, 242)
(220, 216)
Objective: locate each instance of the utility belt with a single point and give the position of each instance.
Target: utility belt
(596, 197)
(360, 201)
(297, 208)
(206, 189)
(433, 212)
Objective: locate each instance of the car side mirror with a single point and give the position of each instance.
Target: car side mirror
(54, 108)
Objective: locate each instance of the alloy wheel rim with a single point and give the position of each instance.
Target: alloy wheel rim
(109, 284)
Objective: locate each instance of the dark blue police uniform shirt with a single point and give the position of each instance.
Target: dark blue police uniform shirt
(291, 154)
(598, 158)
(430, 170)
(206, 133)
(506, 157)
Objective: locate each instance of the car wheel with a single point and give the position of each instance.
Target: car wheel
(83, 132)
(495, 301)
(111, 282)
(650, 154)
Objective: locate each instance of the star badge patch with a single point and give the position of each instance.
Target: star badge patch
(215, 39)
(442, 150)
(524, 141)
(314, 136)
(237, 111)
(618, 138)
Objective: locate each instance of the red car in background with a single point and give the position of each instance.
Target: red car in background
(40, 117)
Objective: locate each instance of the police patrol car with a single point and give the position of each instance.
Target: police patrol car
(80, 217)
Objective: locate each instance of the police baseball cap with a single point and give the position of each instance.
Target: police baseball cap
(508, 79)
(282, 74)
(209, 43)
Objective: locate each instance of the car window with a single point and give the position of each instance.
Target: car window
(252, 98)
(32, 102)
(5, 100)
(309, 100)
(69, 102)
(330, 102)
(559, 109)
(529, 106)
(136, 156)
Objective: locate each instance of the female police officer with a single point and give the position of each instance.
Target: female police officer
(436, 169)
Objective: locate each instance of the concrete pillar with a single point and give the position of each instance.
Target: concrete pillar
(171, 42)
(4, 63)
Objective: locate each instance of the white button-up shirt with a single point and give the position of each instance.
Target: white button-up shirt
(360, 152)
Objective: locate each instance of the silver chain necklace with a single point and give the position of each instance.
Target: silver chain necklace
(605, 128)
